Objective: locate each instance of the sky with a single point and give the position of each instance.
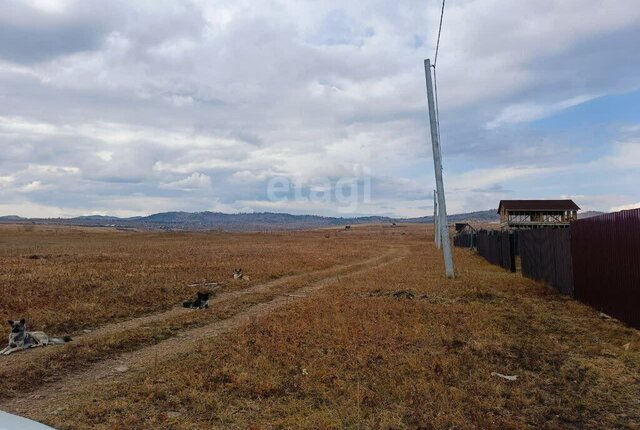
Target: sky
(315, 106)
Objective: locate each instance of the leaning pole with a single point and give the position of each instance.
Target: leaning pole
(437, 166)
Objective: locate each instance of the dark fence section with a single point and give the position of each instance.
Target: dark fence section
(497, 248)
(516, 243)
(606, 263)
(465, 240)
(545, 255)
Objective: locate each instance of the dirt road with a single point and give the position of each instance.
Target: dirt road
(49, 397)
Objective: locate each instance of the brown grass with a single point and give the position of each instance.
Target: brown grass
(359, 356)
(66, 279)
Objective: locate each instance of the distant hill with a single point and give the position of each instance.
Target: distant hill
(248, 221)
(490, 215)
(237, 222)
(10, 218)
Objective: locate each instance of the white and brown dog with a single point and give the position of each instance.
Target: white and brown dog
(239, 274)
(20, 338)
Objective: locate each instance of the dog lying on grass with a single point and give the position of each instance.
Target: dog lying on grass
(239, 274)
(20, 338)
(201, 302)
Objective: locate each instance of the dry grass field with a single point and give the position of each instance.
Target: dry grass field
(65, 279)
(358, 330)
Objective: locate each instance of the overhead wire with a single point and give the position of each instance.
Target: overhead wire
(435, 57)
(435, 79)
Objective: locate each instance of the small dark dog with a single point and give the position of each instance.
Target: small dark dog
(201, 302)
(20, 338)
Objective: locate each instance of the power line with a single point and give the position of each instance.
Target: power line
(435, 57)
(435, 80)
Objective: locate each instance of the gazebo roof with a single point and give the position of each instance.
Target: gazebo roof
(539, 205)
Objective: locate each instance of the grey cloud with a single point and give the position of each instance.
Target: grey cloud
(597, 65)
(293, 88)
(337, 28)
(496, 188)
(29, 35)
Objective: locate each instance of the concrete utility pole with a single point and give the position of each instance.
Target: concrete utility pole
(436, 227)
(443, 227)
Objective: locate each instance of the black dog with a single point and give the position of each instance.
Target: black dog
(201, 302)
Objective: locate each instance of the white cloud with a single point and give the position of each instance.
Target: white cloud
(111, 133)
(49, 6)
(248, 176)
(7, 180)
(105, 155)
(32, 186)
(526, 112)
(195, 182)
(626, 155)
(34, 210)
(625, 207)
(484, 178)
(51, 171)
(598, 202)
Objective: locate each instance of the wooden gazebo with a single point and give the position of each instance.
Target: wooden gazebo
(523, 214)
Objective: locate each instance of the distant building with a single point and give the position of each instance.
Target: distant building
(461, 226)
(523, 214)
(464, 227)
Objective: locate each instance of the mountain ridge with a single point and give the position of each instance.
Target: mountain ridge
(207, 220)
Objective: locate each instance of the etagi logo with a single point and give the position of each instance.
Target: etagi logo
(347, 193)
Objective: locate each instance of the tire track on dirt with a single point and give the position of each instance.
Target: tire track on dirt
(221, 298)
(43, 401)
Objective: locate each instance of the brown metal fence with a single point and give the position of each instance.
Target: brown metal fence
(545, 255)
(497, 248)
(606, 263)
(597, 259)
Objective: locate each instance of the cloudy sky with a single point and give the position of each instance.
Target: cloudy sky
(128, 108)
